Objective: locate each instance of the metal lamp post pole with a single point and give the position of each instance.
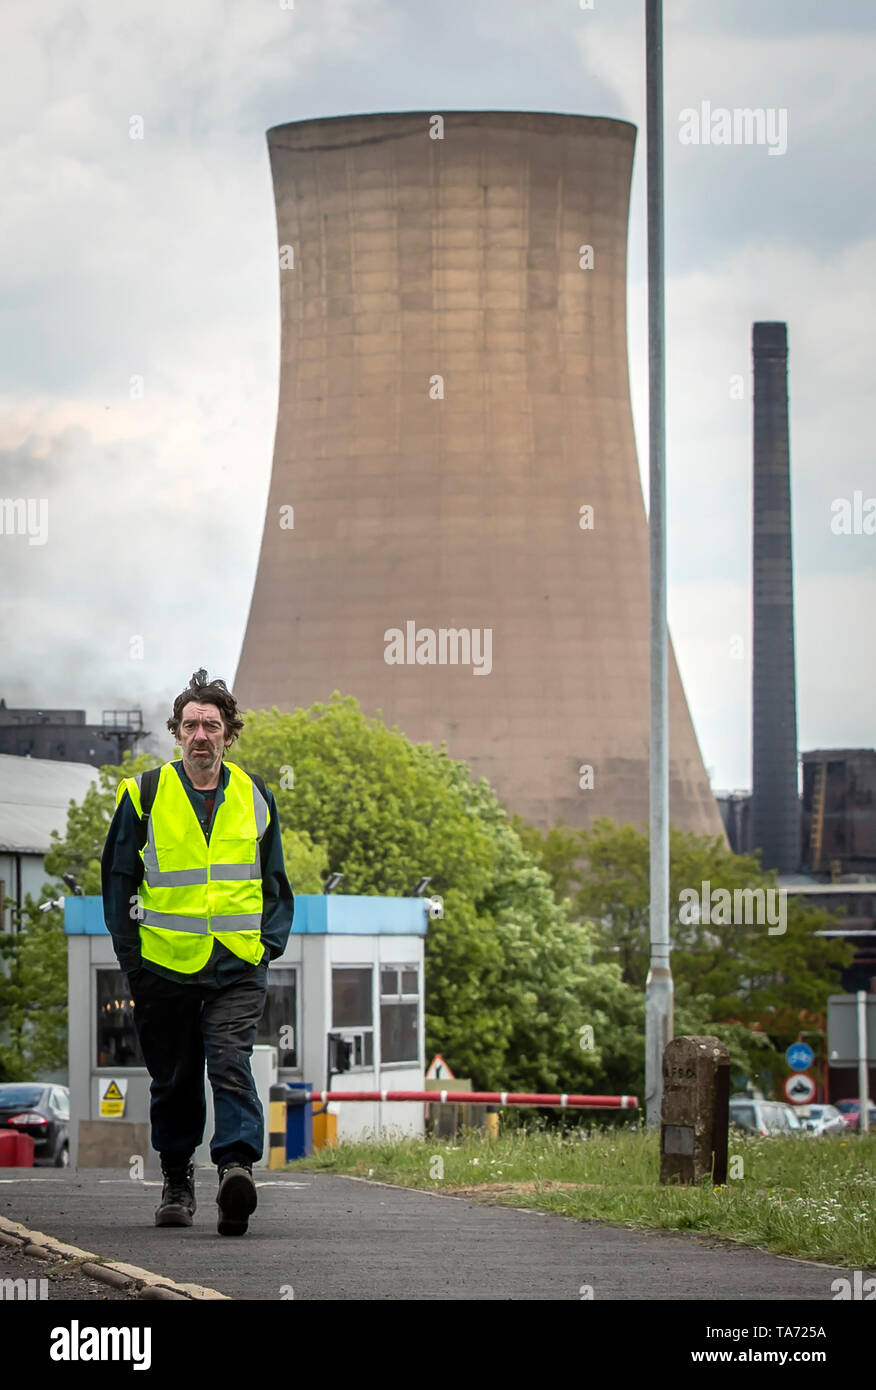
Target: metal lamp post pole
(863, 1066)
(658, 989)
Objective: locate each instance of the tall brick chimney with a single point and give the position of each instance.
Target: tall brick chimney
(775, 809)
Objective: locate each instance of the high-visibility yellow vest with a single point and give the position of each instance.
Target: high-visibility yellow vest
(193, 891)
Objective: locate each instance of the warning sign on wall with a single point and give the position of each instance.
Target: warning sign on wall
(438, 1070)
(112, 1098)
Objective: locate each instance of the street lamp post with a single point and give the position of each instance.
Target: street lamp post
(658, 989)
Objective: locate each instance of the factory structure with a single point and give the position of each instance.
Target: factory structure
(775, 822)
(63, 735)
(821, 839)
(819, 836)
(455, 531)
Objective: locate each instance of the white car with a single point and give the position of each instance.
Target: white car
(766, 1117)
(822, 1119)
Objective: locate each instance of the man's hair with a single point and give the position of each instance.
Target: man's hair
(207, 692)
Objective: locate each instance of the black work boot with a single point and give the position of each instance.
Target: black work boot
(236, 1198)
(177, 1205)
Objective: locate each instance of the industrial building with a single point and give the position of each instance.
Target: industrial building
(455, 531)
(836, 831)
(63, 735)
(839, 810)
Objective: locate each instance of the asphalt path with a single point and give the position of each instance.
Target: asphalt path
(320, 1236)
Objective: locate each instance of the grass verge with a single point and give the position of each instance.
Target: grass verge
(811, 1198)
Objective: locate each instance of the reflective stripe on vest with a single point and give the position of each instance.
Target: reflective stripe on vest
(168, 921)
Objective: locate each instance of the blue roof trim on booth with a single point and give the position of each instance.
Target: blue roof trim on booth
(355, 914)
(341, 914)
(83, 916)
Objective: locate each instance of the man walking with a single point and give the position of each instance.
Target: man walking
(197, 901)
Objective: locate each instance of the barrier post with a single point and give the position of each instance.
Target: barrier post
(299, 1119)
(695, 1111)
(277, 1127)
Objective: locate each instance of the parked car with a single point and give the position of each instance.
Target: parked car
(766, 1117)
(851, 1113)
(42, 1111)
(822, 1119)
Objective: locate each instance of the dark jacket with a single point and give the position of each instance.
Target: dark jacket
(122, 873)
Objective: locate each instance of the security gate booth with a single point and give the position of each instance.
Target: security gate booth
(352, 968)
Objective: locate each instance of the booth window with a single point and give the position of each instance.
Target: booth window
(352, 1011)
(279, 1022)
(117, 1042)
(399, 1013)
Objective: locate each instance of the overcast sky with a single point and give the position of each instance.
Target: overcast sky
(157, 258)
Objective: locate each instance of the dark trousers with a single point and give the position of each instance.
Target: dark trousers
(182, 1024)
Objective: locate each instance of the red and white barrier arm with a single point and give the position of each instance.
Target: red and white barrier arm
(501, 1098)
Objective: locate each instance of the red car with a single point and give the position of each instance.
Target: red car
(851, 1113)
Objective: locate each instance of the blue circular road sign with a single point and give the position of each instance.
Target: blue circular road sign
(799, 1056)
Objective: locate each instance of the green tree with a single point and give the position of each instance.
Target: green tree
(554, 985)
(753, 988)
(33, 993)
(306, 863)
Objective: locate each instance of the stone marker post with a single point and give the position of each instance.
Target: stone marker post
(695, 1113)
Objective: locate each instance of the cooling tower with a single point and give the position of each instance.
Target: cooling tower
(454, 396)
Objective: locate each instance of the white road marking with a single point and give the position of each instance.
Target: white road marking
(143, 1182)
(278, 1182)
